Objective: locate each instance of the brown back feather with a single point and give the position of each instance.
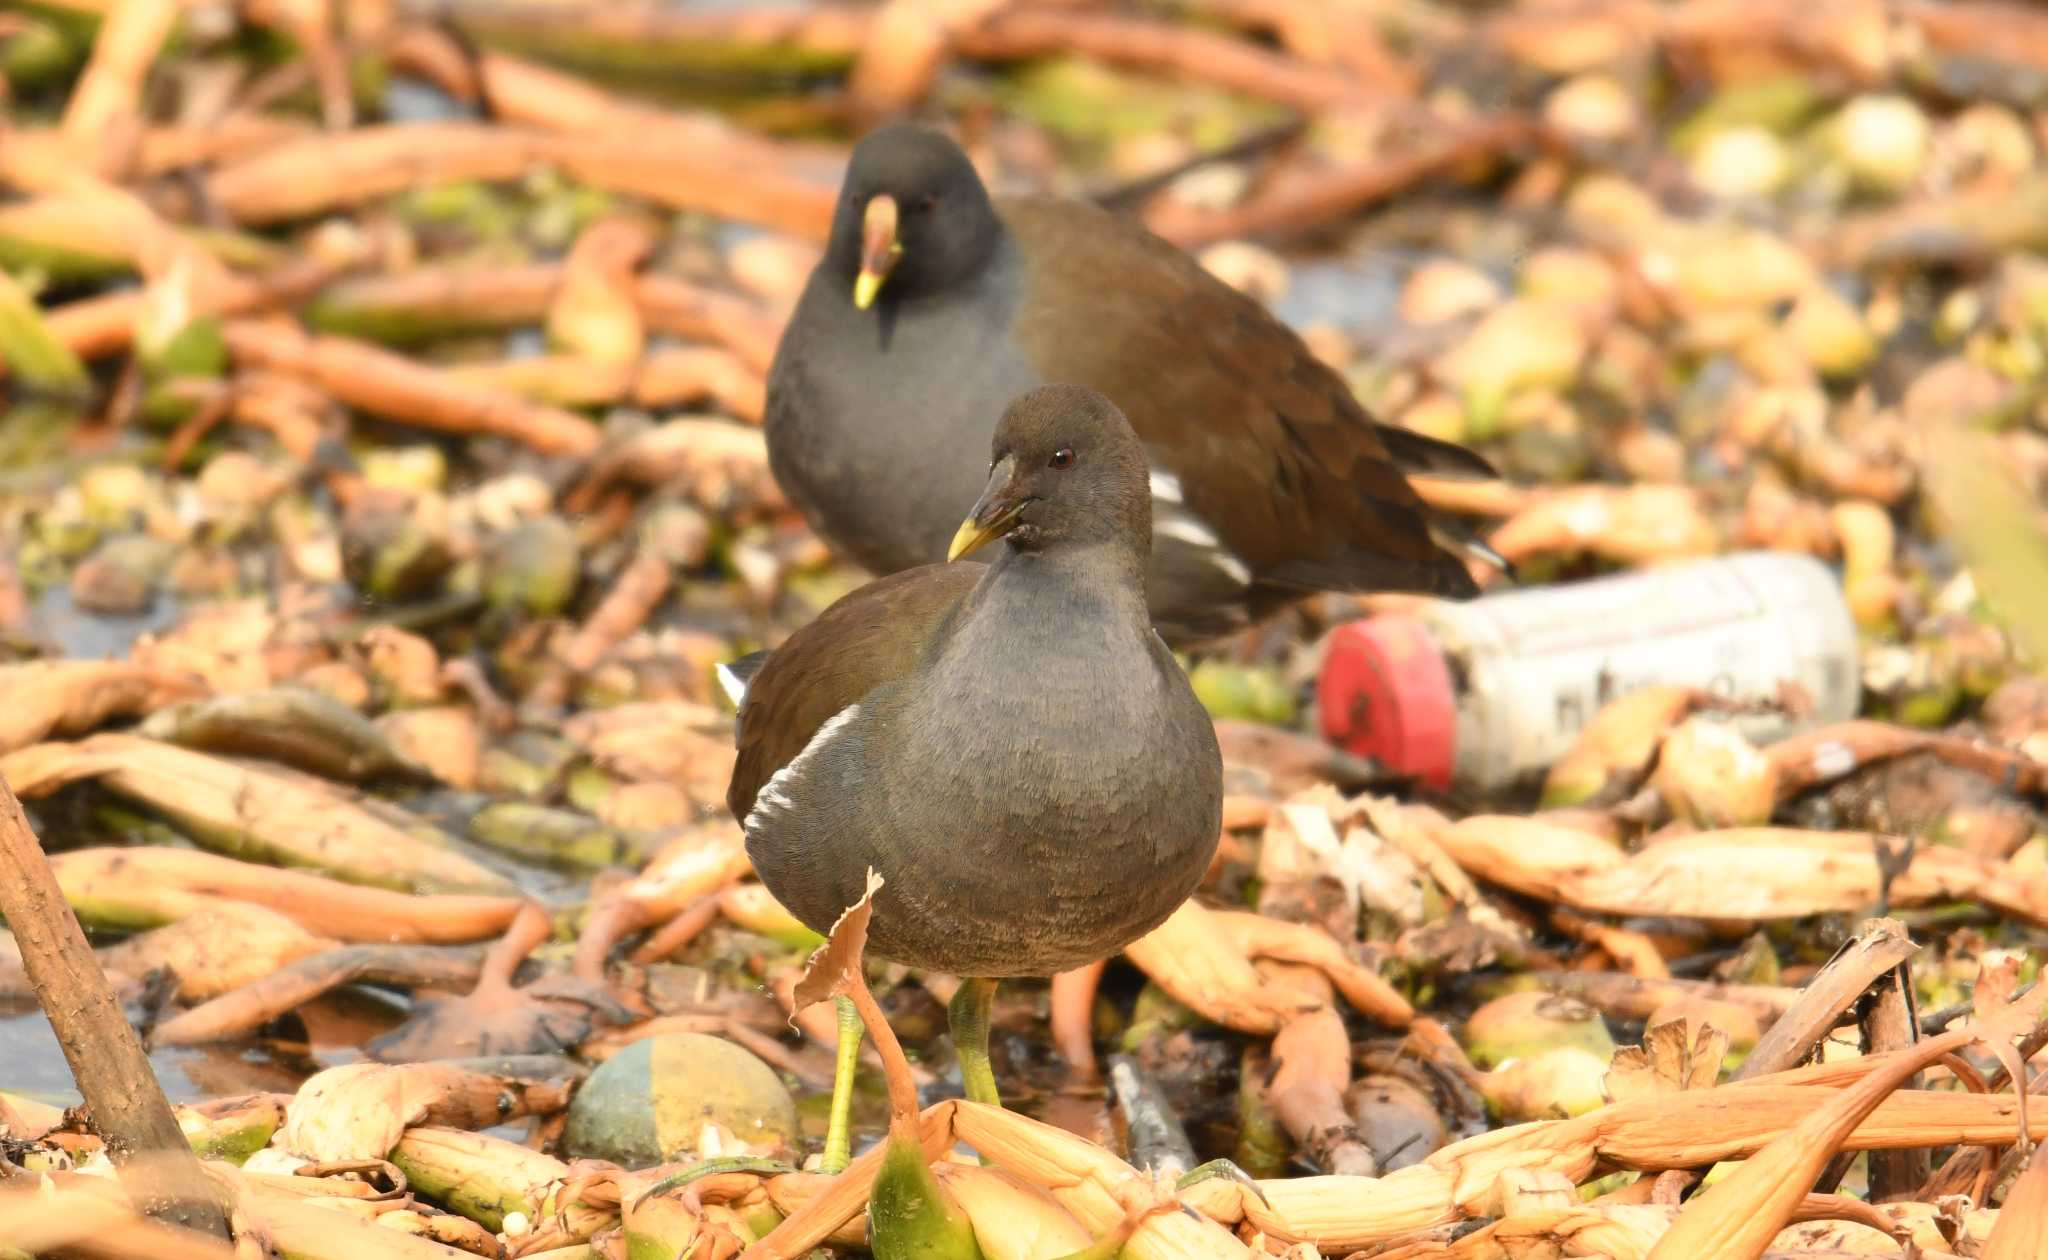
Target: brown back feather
(1222, 392)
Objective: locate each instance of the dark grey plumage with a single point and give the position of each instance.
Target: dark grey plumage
(1010, 745)
(1268, 479)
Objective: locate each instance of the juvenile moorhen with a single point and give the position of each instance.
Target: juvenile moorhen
(1010, 745)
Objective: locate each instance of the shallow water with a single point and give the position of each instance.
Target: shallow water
(32, 1063)
(82, 635)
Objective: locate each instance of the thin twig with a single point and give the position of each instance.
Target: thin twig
(1329, 196)
(128, 1107)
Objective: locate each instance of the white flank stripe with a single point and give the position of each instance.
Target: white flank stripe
(729, 681)
(1165, 486)
(772, 795)
(1233, 566)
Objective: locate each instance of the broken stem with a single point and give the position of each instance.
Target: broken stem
(895, 1067)
(128, 1106)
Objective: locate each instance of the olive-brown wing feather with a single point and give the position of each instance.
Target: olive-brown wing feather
(1272, 450)
(869, 637)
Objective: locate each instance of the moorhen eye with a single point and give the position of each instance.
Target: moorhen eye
(1062, 458)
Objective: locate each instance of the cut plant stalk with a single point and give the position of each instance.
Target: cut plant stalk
(485, 1178)
(1739, 1216)
(909, 1213)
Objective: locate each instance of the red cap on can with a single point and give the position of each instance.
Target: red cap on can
(1385, 692)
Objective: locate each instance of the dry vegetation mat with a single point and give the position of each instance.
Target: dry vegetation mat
(381, 480)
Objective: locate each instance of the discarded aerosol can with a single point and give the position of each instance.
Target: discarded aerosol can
(1489, 693)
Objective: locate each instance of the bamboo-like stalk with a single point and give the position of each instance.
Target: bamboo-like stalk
(1743, 873)
(79, 1216)
(431, 301)
(1736, 1219)
(1340, 1213)
(108, 93)
(71, 697)
(104, 325)
(257, 809)
(378, 381)
(1232, 64)
(301, 178)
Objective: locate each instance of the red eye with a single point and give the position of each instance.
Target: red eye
(1062, 458)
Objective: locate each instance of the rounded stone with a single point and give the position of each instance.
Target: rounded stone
(649, 1103)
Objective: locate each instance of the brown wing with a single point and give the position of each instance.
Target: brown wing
(1414, 452)
(1271, 450)
(869, 637)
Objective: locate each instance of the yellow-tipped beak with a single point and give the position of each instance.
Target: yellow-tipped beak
(970, 538)
(865, 286)
(879, 249)
(988, 521)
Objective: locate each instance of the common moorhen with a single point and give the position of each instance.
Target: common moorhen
(934, 306)
(1010, 745)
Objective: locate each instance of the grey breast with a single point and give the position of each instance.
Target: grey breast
(879, 421)
(1068, 784)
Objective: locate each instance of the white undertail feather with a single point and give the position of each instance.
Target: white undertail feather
(1165, 486)
(730, 682)
(1182, 526)
(1187, 529)
(1237, 569)
(772, 794)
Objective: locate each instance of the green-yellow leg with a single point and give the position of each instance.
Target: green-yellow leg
(839, 1128)
(968, 1015)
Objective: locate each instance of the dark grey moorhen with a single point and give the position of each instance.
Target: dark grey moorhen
(1009, 745)
(934, 306)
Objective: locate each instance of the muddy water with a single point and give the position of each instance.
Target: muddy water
(32, 1063)
(327, 1032)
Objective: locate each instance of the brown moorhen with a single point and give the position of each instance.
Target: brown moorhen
(934, 306)
(1010, 745)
